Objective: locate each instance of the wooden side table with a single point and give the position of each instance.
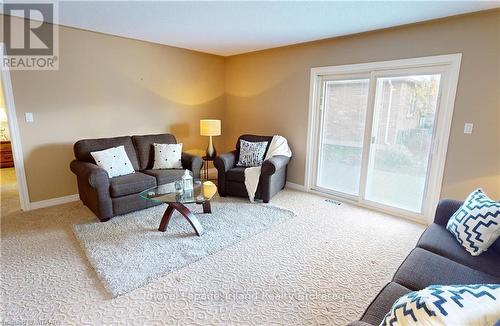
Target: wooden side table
(6, 158)
(206, 159)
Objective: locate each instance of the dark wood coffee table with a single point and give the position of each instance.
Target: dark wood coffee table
(202, 193)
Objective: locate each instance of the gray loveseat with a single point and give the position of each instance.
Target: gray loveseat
(231, 178)
(107, 197)
(437, 259)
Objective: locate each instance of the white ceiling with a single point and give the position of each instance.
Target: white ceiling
(233, 27)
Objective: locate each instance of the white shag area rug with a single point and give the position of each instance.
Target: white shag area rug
(323, 267)
(128, 251)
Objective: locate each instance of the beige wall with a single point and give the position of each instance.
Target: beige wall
(267, 92)
(110, 86)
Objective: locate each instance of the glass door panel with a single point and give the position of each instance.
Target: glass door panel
(404, 116)
(342, 133)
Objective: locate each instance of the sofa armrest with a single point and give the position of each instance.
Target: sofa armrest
(93, 188)
(226, 161)
(192, 162)
(274, 164)
(445, 209)
(97, 177)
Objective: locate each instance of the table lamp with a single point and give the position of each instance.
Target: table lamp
(210, 127)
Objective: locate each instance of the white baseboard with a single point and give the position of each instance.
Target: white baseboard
(295, 186)
(53, 201)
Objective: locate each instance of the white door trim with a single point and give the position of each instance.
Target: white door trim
(15, 137)
(446, 103)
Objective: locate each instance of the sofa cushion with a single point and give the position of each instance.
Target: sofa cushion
(114, 161)
(383, 302)
(130, 203)
(236, 174)
(253, 139)
(166, 176)
(423, 268)
(144, 147)
(470, 304)
(251, 153)
(446, 209)
(238, 189)
(167, 156)
(82, 148)
(130, 184)
(438, 240)
(476, 224)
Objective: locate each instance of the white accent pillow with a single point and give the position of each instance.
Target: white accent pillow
(476, 224)
(466, 305)
(114, 160)
(167, 156)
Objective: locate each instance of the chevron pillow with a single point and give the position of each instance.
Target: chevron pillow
(447, 305)
(476, 224)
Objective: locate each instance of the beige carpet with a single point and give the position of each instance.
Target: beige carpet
(9, 197)
(322, 267)
(129, 252)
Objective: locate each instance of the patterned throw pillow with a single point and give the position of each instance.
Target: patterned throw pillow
(447, 305)
(114, 160)
(167, 156)
(251, 153)
(476, 224)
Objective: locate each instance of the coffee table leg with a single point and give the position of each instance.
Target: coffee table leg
(188, 215)
(191, 218)
(166, 218)
(207, 209)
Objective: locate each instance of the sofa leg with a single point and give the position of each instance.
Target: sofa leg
(105, 219)
(266, 201)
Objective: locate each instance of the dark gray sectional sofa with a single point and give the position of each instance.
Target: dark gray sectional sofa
(437, 259)
(107, 197)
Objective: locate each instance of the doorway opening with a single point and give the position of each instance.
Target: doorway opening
(11, 200)
(9, 191)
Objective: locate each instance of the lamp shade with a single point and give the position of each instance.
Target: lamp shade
(209, 127)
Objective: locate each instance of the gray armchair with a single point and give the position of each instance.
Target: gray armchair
(231, 178)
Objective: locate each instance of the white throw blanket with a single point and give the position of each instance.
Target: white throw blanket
(278, 146)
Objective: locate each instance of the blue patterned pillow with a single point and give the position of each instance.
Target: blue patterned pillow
(476, 224)
(477, 304)
(251, 153)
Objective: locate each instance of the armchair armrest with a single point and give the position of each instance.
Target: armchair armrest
(274, 164)
(225, 161)
(96, 176)
(445, 209)
(192, 162)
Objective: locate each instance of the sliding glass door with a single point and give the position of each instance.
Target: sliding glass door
(375, 134)
(401, 139)
(341, 140)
